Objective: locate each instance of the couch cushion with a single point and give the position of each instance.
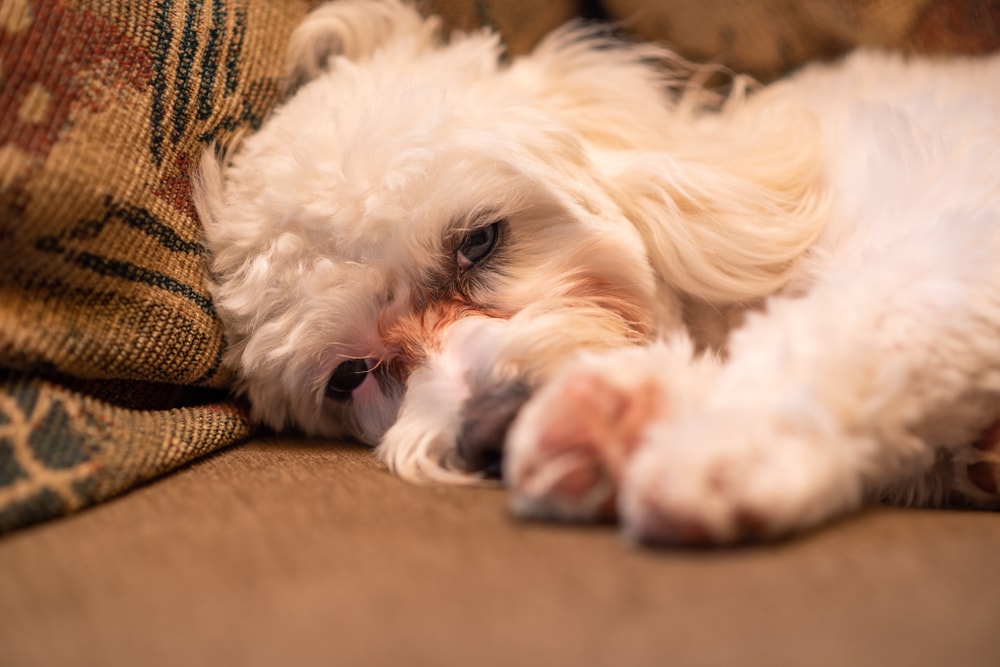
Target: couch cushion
(109, 345)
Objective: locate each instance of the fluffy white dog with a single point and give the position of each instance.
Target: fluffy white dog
(713, 317)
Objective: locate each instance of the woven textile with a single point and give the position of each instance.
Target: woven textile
(109, 346)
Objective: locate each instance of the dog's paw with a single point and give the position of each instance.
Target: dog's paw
(729, 478)
(570, 445)
(568, 449)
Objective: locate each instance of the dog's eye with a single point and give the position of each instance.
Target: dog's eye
(347, 377)
(477, 245)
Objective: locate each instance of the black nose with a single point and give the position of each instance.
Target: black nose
(347, 377)
(486, 417)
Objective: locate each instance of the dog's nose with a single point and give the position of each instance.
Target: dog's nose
(486, 417)
(347, 377)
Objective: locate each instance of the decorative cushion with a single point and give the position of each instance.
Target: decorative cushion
(109, 346)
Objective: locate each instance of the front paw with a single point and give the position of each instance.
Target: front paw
(568, 450)
(719, 479)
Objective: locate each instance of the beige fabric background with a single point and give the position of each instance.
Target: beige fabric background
(768, 39)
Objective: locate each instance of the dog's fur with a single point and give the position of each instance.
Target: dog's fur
(727, 317)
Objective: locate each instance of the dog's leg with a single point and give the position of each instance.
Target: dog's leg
(846, 394)
(849, 393)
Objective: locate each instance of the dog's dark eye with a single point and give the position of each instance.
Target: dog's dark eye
(347, 377)
(477, 245)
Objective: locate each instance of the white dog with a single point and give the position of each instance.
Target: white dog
(715, 318)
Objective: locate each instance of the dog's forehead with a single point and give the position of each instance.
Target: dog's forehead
(406, 200)
(371, 149)
(390, 173)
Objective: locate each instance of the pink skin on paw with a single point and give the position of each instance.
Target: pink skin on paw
(671, 528)
(665, 524)
(983, 473)
(990, 439)
(584, 442)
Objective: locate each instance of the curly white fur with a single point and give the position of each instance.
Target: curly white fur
(842, 225)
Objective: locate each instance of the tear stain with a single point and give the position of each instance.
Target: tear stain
(411, 338)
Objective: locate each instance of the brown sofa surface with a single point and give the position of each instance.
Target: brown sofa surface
(281, 551)
(286, 552)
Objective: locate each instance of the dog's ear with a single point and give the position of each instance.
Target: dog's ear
(352, 29)
(206, 186)
(725, 188)
(208, 189)
(732, 205)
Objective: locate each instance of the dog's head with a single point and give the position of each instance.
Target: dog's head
(422, 232)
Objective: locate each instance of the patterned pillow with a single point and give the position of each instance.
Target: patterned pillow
(109, 346)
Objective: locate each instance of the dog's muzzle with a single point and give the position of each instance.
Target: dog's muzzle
(486, 417)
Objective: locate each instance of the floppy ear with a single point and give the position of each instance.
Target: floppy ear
(352, 29)
(731, 206)
(207, 189)
(725, 190)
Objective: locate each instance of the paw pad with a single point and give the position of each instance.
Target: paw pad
(982, 467)
(580, 440)
(983, 475)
